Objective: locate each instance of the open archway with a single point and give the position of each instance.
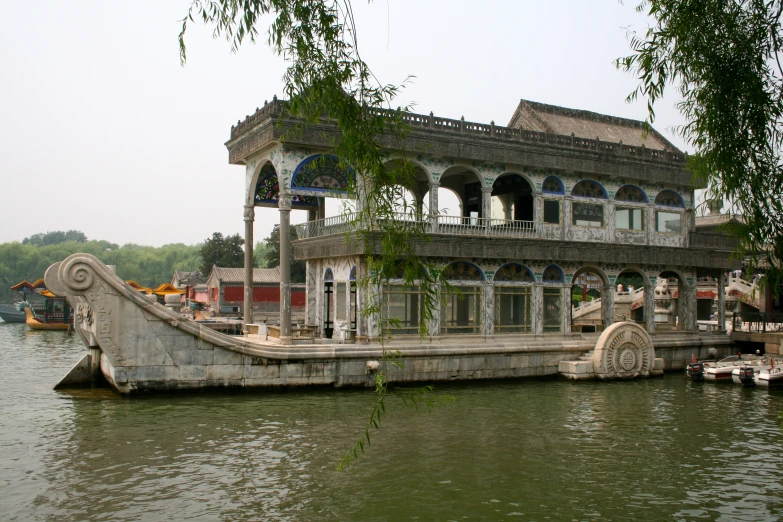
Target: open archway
(592, 304)
(512, 198)
(467, 185)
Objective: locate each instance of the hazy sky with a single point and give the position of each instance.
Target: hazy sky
(103, 131)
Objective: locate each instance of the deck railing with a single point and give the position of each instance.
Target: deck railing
(455, 225)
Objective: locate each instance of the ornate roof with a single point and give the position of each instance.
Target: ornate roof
(541, 117)
(237, 275)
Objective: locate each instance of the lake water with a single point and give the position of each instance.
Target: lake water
(520, 450)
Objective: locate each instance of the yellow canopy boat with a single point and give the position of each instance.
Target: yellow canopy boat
(35, 324)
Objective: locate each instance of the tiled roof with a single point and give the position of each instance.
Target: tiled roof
(714, 220)
(237, 275)
(585, 124)
(191, 278)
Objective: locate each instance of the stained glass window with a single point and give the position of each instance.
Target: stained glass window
(268, 191)
(669, 198)
(514, 272)
(462, 271)
(588, 189)
(553, 274)
(267, 187)
(328, 275)
(352, 276)
(553, 185)
(321, 173)
(588, 215)
(631, 193)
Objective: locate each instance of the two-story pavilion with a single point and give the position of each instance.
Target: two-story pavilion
(572, 191)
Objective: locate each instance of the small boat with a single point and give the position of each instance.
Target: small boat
(10, 315)
(772, 376)
(745, 375)
(720, 371)
(35, 324)
(696, 371)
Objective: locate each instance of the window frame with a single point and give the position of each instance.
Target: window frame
(630, 208)
(559, 210)
(505, 289)
(665, 211)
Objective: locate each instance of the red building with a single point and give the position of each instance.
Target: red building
(226, 293)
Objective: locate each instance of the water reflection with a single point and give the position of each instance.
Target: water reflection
(648, 450)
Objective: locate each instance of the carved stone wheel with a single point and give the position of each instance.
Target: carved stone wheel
(624, 351)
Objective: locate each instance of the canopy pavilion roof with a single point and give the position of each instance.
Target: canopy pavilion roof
(167, 289)
(24, 285)
(136, 286)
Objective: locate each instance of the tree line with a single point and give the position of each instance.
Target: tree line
(147, 265)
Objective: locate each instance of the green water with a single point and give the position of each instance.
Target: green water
(524, 450)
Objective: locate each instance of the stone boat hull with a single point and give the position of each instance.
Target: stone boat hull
(141, 346)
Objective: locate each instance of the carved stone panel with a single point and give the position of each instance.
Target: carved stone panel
(624, 351)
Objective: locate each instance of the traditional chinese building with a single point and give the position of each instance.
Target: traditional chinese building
(578, 192)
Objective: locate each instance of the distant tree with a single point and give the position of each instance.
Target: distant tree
(55, 238)
(272, 255)
(259, 255)
(222, 251)
(723, 59)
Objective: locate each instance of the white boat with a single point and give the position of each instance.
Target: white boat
(720, 371)
(770, 376)
(742, 375)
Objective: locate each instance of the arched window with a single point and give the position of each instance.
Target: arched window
(588, 214)
(588, 189)
(668, 222)
(553, 274)
(328, 275)
(669, 198)
(629, 218)
(462, 271)
(553, 185)
(321, 173)
(268, 191)
(514, 272)
(631, 194)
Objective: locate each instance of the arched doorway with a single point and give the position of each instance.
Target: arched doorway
(467, 185)
(631, 296)
(592, 305)
(512, 195)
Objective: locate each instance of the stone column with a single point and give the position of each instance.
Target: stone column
(311, 290)
(434, 206)
(433, 326)
(722, 301)
(607, 305)
(486, 206)
(609, 222)
(649, 223)
(538, 209)
(488, 306)
(686, 306)
(321, 214)
(284, 205)
(250, 215)
(649, 307)
(568, 210)
(538, 309)
(566, 308)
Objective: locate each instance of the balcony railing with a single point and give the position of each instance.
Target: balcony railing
(452, 225)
